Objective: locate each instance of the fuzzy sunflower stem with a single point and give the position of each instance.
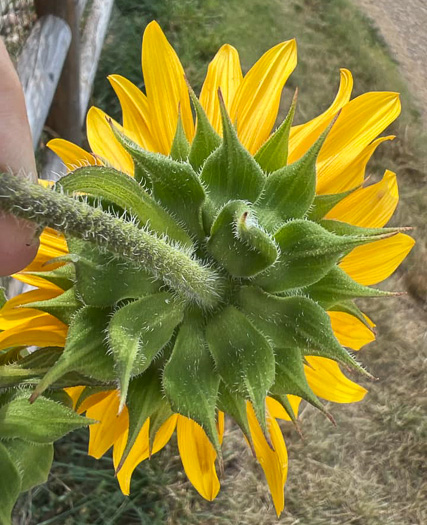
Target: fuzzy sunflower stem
(189, 279)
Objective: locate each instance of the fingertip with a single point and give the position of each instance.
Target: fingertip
(18, 244)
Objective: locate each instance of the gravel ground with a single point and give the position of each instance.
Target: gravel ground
(403, 27)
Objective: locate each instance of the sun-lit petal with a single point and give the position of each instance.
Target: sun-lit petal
(72, 156)
(43, 330)
(256, 103)
(273, 462)
(103, 143)
(370, 207)
(140, 450)
(74, 392)
(328, 382)
(12, 314)
(166, 88)
(302, 137)
(135, 110)
(198, 457)
(102, 435)
(374, 262)
(224, 72)
(350, 331)
(277, 411)
(359, 123)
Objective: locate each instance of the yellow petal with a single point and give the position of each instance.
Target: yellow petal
(140, 450)
(358, 124)
(223, 72)
(45, 183)
(111, 425)
(198, 457)
(93, 400)
(278, 412)
(103, 143)
(273, 462)
(34, 280)
(302, 137)
(354, 175)
(74, 392)
(166, 88)
(370, 207)
(72, 156)
(43, 330)
(136, 115)
(327, 381)
(349, 331)
(12, 314)
(256, 103)
(374, 262)
(52, 245)
(220, 424)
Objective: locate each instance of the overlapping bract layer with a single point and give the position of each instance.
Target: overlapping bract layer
(265, 213)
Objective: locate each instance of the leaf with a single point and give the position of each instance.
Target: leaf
(103, 280)
(85, 350)
(206, 139)
(350, 308)
(344, 229)
(44, 421)
(337, 286)
(33, 462)
(307, 253)
(180, 146)
(243, 356)
(10, 485)
(234, 405)
(231, 172)
(290, 376)
(63, 307)
(124, 191)
(157, 418)
(294, 322)
(289, 192)
(174, 184)
(273, 154)
(144, 398)
(138, 331)
(322, 204)
(237, 242)
(190, 381)
(64, 276)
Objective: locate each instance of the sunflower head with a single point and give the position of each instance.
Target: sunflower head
(257, 212)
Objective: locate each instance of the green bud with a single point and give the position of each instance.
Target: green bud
(180, 146)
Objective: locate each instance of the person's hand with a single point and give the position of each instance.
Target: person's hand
(18, 244)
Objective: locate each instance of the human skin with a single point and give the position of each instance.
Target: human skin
(18, 240)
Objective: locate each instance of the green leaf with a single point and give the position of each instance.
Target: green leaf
(33, 462)
(44, 421)
(85, 350)
(10, 485)
(323, 204)
(190, 381)
(124, 191)
(295, 322)
(64, 276)
(344, 228)
(174, 184)
(234, 405)
(63, 307)
(138, 331)
(273, 154)
(230, 172)
(307, 253)
(243, 356)
(103, 280)
(157, 418)
(206, 139)
(290, 376)
(144, 398)
(289, 192)
(180, 146)
(237, 242)
(337, 286)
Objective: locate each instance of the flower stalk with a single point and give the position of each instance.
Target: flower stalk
(189, 279)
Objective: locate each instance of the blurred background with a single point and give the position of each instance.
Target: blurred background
(370, 469)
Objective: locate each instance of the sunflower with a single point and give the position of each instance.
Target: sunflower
(339, 144)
